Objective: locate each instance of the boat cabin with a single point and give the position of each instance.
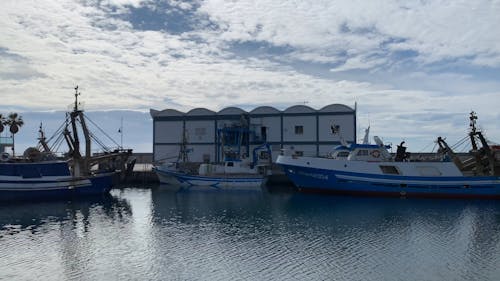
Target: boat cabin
(367, 152)
(340, 152)
(227, 167)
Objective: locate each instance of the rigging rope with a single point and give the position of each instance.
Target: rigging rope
(460, 143)
(57, 139)
(102, 131)
(425, 147)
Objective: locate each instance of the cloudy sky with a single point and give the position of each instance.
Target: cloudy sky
(415, 68)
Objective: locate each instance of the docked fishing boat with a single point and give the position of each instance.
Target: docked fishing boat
(235, 172)
(372, 170)
(231, 175)
(40, 174)
(48, 180)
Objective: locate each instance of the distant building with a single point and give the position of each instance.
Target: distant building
(306, 130)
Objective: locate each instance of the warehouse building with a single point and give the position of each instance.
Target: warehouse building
(196, 135)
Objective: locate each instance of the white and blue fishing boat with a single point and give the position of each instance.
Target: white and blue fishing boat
(39, 174)
(230, 175)
(372, 170)
(235, 172)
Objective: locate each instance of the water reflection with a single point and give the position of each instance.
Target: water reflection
(324, 237)
(55, 240)
(18, 216)
(158, 234)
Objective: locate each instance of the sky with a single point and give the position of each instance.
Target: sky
(415, 69)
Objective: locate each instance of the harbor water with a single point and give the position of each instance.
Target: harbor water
(153, 233)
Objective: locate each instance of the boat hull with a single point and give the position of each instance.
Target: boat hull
(352, 182)
(228, 182)
(55, 188)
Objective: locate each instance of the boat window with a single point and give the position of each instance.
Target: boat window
(230, 164)
(389, 170)
(299, 153)
(362, 152)
(299, 130)
(343, 154)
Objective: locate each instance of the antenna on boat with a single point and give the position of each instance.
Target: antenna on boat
(42, 139)
(473, 118)
(367, 135)
(121, 133)
(76, 98)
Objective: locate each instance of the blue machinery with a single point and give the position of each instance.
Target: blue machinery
(232, 140)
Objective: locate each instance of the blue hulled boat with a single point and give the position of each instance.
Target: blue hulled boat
(40, 174)
(48, 180)
(372, 170)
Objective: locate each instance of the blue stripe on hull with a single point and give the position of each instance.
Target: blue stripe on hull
(35, 169)
(98, 185)
(215, 182)
(319, 180)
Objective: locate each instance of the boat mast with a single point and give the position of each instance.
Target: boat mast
(482, 161)
(43, 140)
(183, 152)
(81, 164)
(488, 168)
(473, 118)
(367, 135)
(446, 149)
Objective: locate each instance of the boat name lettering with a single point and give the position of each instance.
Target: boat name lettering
(314, 175)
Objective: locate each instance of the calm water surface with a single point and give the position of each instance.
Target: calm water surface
(157, 234)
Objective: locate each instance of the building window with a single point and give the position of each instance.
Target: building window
(299, 130)
(200, 131)
(206, 158)
(263, 133)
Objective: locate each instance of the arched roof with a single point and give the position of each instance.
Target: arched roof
(265, 110)
(166, 112)
(336, 108)
(259, 110)
(200, 111)
(231, 111)
(299, 109)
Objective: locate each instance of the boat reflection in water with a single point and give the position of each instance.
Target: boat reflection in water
(59, 240)
(19, 216)
(233, 235)
(157, 234)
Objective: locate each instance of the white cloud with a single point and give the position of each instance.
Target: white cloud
(437, 30)
(46, 48)
(133, 3)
